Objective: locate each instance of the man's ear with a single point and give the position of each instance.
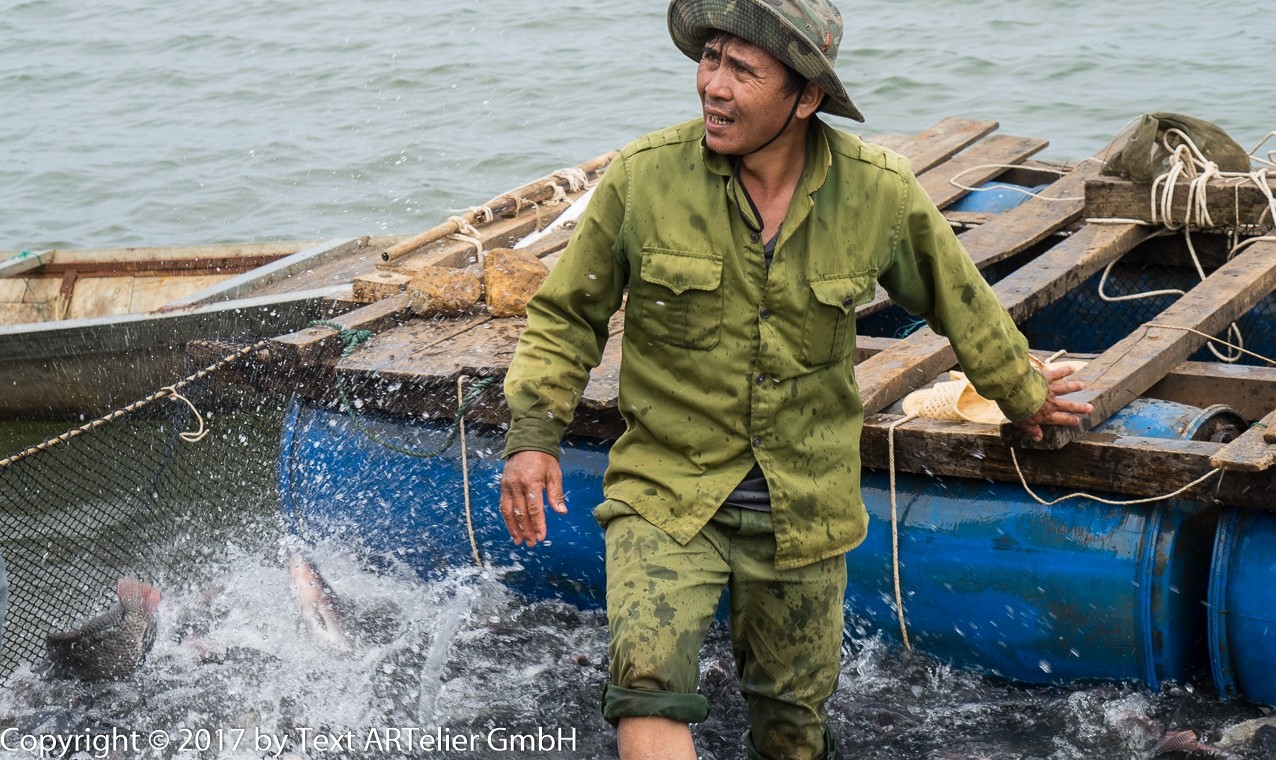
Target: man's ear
(810, 101)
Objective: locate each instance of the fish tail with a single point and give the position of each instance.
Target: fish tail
(137, 595)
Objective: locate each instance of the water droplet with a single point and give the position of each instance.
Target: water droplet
(1045, 667)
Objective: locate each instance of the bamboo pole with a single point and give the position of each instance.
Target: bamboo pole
(505, 204)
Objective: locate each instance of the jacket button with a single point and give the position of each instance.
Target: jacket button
(757, 441)
(761, 379)
(754, 237)
(847, 302)
(765, 313)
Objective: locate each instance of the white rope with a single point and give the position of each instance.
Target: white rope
(202, 431)
(1270, 160)
(1023, 190)
(1260, 357)
(1188, 163)
(465, 474)
(466, 232)
(560, 195)
(1112, 502)
(118, 413)
(899, 596)
(574, 176)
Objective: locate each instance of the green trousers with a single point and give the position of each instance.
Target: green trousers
(786, 627)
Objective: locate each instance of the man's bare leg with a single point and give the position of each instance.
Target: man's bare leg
(654, 739)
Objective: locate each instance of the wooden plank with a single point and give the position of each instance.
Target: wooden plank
(419, 346)
(137, 256)
(551, 242)
(313, 344)
(151, 293)
(1013, 232)
(281, 269)
(226, 265)
(1249, 390)
(1126, 370)
(1132, 466)
(100, 297)
(915, 360)
(1231, 203)
(976, 165)
(942, 141)
(23, 313)
(24, 262)
(1249, 453)
(481, 349)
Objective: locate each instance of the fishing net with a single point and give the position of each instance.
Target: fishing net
(133, 496)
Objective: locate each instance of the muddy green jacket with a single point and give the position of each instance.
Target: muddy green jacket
(724, 361)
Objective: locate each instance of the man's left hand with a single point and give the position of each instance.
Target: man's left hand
(1055, 410)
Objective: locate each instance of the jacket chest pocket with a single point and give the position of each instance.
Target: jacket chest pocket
(829, 328)
(679, 298)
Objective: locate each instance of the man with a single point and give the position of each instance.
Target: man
(744, 239)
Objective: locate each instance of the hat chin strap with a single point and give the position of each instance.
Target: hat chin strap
(792, 112)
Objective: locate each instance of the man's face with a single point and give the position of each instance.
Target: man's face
(742, 94)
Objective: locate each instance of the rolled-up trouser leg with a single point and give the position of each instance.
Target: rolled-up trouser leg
(661, 598)
(786, 633)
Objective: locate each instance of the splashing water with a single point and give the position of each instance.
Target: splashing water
(464, 663)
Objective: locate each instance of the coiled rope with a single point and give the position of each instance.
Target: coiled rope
(1187, 163)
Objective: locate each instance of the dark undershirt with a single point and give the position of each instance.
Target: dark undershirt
(753, 493)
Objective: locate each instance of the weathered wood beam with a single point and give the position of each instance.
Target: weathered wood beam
(1249, 390)
(938, 143)
(314, 344)
(915, 360)
(1133, 365)
(1250, 452)
(1231, 203)
(1004, 235)
(1133, 466)
(24, 262)
(981, 162)
(280, 268)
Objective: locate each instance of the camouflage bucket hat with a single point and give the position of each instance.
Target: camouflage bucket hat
(802, 33)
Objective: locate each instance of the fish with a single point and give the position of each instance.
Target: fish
(112, 645)
(1186, 740)
(1245, 733)
(322, 611)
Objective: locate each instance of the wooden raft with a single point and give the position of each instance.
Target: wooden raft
(412, 366)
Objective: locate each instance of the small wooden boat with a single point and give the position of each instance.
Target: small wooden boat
(992, 579)
(85, 331)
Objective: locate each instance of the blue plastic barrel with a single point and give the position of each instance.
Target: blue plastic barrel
(993, 581)
(1242, 606)
(995, 197)
(334, 479)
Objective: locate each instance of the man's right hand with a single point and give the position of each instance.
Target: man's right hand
(528, 476)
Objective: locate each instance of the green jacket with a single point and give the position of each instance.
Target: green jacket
(724, 361)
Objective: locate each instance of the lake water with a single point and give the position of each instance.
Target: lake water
(139, 123)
